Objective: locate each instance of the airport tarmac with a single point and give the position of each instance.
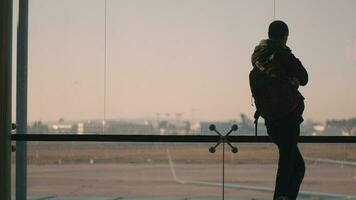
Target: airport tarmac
(71, 171)
(155, 181)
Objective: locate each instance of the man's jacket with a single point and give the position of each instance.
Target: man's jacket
(274, 68)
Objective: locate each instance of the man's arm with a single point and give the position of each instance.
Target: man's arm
(294, 67)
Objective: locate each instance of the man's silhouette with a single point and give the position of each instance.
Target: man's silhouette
(274, 82)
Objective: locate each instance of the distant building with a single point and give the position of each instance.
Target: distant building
(175, 128)
(345, 127)
(124, 127)
(38, 128)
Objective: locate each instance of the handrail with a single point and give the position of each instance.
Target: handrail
(170, 138)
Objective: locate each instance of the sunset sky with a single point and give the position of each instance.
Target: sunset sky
(181, 56)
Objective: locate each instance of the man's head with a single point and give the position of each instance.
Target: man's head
(278, 30)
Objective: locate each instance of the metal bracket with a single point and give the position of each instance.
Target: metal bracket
(223, 138)
(13, 128)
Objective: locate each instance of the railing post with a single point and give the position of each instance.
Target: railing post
(5, 97)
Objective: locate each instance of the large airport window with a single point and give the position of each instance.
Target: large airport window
(121, 95)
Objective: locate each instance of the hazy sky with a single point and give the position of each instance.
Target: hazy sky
(170, 56)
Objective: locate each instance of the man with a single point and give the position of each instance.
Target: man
(274, 81)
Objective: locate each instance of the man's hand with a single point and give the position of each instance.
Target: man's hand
(294, 81)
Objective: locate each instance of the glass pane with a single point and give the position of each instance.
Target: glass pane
(179, 65)
(168, 65)
(126, 170)
(178, 171)
(322, 35)
(66, 65)
(330, 171)
(172, 67)
(130, 67)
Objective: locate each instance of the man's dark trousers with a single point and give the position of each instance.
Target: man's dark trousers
(291, 168)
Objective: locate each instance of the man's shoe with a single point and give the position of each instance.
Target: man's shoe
(282, 198)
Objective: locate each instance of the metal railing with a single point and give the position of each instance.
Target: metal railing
(171, 138)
